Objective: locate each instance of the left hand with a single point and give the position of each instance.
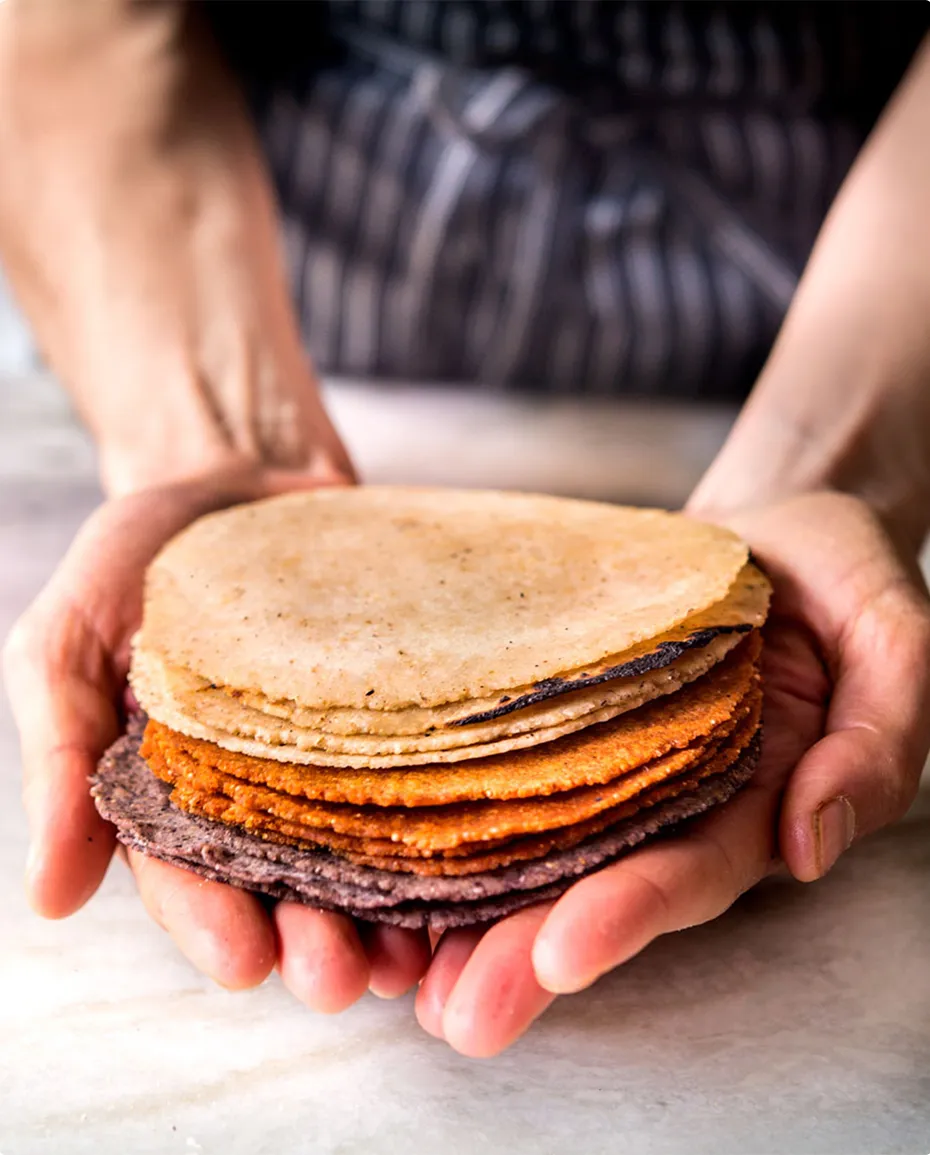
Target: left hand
(847, 730)
(66, 663)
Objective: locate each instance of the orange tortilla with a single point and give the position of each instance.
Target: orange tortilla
(444, 827)
(482, 856)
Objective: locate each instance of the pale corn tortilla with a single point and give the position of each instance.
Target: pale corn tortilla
(191, 702)
(745, 606)
(160, 688)
(316, 759)
(392, 597)
(590, 757)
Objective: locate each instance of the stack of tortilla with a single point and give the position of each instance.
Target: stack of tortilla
(432, 707)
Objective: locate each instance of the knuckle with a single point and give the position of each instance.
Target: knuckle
(894, 786)
(900, 613)
(912, 639)
(48, 637)
(736, 877)
(920, 627)
(22, 646)
(842, 509)
(901, 791)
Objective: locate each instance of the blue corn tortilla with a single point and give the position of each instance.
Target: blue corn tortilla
(138, 804)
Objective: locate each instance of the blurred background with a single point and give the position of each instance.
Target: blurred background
(635, 451)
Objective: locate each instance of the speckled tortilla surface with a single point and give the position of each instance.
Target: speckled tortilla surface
(390, 597)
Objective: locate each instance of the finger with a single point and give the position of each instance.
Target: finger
(453, 951)
(320, 957)
(71, 845)
(59, 683)
(65, 664)
(397, 959)
(610, 916)
(866, 771)
(496, 997)
(223, 931)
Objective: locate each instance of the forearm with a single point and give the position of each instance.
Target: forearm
(844, 400)
(138, 228)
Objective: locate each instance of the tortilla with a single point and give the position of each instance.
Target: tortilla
(137, 803)
(393, 597)
(624, 798)
(589, 758)
(538, 846)
(194, 706)
(744, 608)
(322, 759)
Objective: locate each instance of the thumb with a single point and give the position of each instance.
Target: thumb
(864, 772)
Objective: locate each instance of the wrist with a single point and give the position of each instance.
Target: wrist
(900, 503)
(125, 469)
(163, 305)
(128, 467)
(823, 419)
(189, 424)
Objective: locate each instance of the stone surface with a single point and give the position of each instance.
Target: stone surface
(798, 1024)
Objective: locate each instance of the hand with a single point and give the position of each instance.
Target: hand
(143, 244)
(847, 729)
(66, 662)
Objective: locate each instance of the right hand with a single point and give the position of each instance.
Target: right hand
(66, 662)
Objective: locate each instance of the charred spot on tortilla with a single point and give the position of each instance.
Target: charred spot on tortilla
(661, 656)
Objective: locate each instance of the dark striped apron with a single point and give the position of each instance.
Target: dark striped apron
(560, 195)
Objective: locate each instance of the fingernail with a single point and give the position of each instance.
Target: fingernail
(32, 862)
(834, 830)
(384, 992)
(550, 972)
(545, 964)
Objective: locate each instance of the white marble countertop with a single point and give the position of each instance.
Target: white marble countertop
(799, 1024)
